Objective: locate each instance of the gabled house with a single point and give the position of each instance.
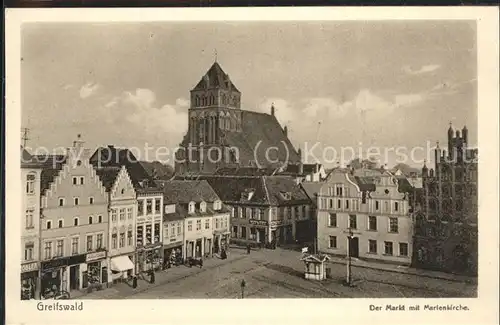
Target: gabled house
(74, 226)
(122, 207)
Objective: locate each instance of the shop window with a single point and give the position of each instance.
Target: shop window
(149, 235)
(388, 248)
(122, 239)
(129, 238)
(372, 246)
(140, 235)
(157, 233)
(30, 183)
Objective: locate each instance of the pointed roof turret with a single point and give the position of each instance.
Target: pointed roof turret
(215, 78)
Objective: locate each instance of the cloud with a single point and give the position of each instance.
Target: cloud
(142, 98)
(88, 90)
(112, 103)
(67, 87)
(423, 69)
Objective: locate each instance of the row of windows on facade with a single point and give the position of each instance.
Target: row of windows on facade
(447, 191)
(373, 246)
(60, 223)
(211, 100)
(145, 235)
(150, 203)
(76, 201)
(217, 205)
(55, 248)
(371, 223)
(260, 214)
(222, 223)
(345, 204)
(225, 123)
(31, 178)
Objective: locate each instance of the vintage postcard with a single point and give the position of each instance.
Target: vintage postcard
(215, 166)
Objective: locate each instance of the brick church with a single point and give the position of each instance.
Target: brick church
(221, 134)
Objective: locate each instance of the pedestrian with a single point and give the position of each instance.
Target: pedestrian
(152, 277)
(201, 263)
(248, 249)
(134, 282)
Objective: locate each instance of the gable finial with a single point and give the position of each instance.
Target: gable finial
(215, 54)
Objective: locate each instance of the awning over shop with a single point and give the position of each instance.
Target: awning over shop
(121, 263)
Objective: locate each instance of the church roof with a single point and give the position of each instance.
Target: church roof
(215, 78)
(260, 133)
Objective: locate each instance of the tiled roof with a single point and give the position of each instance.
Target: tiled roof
(277, 185)
(365, 183)
(267, 190)
(215, 78)
(107, 175)
(179, 214)
(185, 191)
(117, 157)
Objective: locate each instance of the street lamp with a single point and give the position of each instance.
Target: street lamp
(243, 284)
(349, 239)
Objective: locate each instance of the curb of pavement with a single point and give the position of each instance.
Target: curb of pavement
(471, 281)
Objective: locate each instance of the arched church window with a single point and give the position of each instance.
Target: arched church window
(197, 101)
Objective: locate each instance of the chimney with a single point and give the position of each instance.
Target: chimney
(285, 129)
(110, 146)
(272, 109)
(316, 168)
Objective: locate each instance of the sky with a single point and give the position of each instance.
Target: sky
(377, 85)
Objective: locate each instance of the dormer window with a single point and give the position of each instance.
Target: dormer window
(203, 207)
(191, 207)
(247, 194)
(286, 195)
(217, 205)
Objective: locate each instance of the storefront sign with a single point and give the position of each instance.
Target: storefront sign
(173, 239)
(150, 247)
(64, 261)
(258, 222)
(276, 223)
(30, 267)
(95, 256)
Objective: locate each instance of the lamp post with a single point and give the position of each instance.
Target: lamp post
(243, 284)
(349, 239)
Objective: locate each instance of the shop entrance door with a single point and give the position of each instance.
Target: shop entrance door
(74, 277)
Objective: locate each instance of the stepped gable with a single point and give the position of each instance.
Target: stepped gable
(108, 176)
(215, 78)
(51, 166)
(117, 157)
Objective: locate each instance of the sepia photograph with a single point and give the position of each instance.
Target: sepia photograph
(251, 159)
